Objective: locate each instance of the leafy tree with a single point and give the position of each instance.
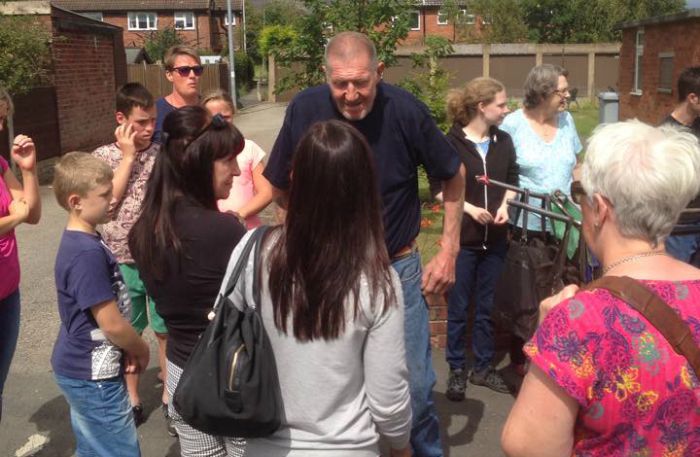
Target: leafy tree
(24, 54)
(386, 22)
(157, 42)
(502, 20)
(429, 81)
(276, 12)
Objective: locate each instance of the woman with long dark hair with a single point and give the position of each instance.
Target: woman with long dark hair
(332, 307)
(181, 242)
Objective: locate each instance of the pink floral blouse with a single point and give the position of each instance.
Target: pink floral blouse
(636, 396)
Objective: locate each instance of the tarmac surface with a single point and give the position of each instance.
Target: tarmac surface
(36, 420)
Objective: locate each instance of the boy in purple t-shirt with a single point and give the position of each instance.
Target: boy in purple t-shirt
(94, 306)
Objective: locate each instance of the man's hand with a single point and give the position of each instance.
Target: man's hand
(24, 153)
(138, 360)
(439, 273)
(19, 208)
(125, 136)
(547, 304)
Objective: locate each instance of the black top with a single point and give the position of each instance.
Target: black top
(500, 165)
(187, 294)
(695, 203)
(402, 135)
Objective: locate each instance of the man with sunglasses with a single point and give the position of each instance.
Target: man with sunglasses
(182, 68)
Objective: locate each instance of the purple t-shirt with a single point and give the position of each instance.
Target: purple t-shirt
(9, 260)
(87, 274)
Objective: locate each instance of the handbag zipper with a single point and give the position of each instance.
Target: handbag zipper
(234, 364)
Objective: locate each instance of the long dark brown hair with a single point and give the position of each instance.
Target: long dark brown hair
(332, 237)
(184, 167)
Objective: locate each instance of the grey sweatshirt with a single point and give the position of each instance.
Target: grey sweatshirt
(338, 395)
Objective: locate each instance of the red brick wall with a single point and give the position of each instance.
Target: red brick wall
(203, 37)
(84, 79)
(683, 39)
(429, 26)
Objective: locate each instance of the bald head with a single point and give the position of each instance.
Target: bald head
(349, 46)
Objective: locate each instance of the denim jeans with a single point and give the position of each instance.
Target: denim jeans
(425, 430)
(683, 247)
(477, 272)
(9, 331)
(101, 417)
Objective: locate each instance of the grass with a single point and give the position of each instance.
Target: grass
(586, 118)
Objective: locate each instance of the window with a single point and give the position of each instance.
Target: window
(93, 15)
(414, 20)
(143, 21)
(442, 18)
(665, 72)
(184, 20)
(639, 53)
(469, 19)
(233, 19)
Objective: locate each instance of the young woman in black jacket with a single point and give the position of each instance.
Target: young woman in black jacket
(477, 111)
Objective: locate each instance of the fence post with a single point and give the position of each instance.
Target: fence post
(486, 60)
(271, 79)
(591, 74)
(538, 55)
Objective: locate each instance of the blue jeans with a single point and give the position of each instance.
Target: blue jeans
(683, 247)
(101, 417)
(425, 430)
(9, 331)
(477, 272)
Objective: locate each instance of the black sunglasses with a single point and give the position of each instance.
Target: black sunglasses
(185, 70)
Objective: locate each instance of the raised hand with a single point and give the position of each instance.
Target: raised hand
(125, 136)
(24, 153)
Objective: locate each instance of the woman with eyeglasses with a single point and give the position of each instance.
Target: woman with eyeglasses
(603, 381)
(251, 191)
(546, 145)
(183, 69)
(19, 203)
(181, 243)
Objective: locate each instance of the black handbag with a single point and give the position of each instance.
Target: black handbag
(229, 386)
(533, 270)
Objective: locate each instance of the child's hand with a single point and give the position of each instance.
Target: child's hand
(125, 136)
(24, 153)
(19, 208)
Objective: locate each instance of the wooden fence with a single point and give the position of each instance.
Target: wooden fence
(215, 76)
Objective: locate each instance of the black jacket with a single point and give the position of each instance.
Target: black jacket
(500, 165)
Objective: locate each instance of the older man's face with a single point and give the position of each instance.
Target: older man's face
(353, 85)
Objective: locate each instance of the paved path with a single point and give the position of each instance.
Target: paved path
(36, 420)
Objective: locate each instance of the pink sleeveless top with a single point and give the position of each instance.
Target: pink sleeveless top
(9, 260)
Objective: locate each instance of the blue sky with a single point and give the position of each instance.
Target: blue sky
(693, 3)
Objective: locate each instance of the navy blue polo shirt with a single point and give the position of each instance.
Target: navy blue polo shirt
(402, 135)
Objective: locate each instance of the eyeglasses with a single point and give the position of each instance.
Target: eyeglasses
(562, 92)
(217, 122)
(185, 70)
(577, 192)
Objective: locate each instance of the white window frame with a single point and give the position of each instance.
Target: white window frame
(638, 55)
(233, 16)
(94, 15)
(183, 16)
(469, 19)
(135, 15)
(417, 13)
(445, 21)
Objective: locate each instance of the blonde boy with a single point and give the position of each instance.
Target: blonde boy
(94, 306)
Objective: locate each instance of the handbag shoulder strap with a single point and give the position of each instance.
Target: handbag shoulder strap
(656, 311)
(242, 261)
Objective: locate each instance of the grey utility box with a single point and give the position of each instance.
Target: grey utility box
(609, 107)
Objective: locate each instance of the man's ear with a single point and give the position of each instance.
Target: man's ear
(169, 75)
(380, 70)
(693, 98)
(120, 117)
(74, 201)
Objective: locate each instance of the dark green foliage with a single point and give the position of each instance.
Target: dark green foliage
(24, 54)
(158, 41)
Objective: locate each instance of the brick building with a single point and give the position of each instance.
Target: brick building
(427, 19)
(75, 111)
(202, 23)
(653, 54)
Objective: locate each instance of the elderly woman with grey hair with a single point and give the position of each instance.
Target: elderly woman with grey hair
(603, 381)
(546, 144)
